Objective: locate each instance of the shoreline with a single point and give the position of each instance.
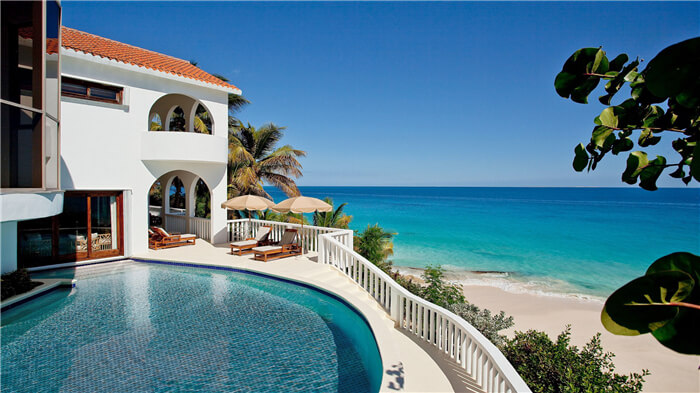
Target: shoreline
(505, 281)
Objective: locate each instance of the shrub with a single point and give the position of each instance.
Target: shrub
(407, 283)
(15, 283)
(489, 325)
(553, 367)
(437, 290)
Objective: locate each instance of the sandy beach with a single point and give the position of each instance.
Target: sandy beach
(670, 371)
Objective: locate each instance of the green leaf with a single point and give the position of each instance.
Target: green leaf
(641, 305)
(695, 163)
(674, 68)
(651, 173)
(572, 81)
(580, 158)
(608, 117)
(678, 173)
(617, 63)
(565, 83)
(600, 135)
(681, 261)
(647, 138)
(622, 144)
(635, 162)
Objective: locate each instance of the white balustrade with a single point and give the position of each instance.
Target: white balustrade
(456, 338)
(175, 223)
(242, 228)
(200, 227)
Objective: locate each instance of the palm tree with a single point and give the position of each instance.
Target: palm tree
(375, 244)
(332, 219)
(253, 160)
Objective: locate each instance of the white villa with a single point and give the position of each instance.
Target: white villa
(90, 126)
(102, 151)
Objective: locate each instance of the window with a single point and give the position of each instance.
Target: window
(71, 87)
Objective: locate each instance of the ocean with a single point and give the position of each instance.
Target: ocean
(582, 242)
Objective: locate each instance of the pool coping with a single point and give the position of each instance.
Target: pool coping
(47, 285)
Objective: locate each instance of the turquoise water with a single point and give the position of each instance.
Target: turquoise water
(141, 327)
(585, 241)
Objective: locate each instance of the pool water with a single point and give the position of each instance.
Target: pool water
(147, 327)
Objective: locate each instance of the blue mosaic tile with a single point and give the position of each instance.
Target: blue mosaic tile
(138, 327)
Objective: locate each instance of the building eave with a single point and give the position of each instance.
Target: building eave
(134, 68)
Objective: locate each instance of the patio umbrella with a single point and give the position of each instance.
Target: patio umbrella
(302, 204)
(249, 203)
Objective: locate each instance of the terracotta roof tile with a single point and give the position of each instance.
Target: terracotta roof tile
(128, 54)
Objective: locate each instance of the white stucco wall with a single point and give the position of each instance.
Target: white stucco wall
(108, 147)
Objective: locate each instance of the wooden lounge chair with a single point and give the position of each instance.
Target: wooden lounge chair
(152, 238)
(246, 246)
(286, 247)
(168, 240)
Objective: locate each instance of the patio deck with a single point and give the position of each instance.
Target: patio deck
(409, 365)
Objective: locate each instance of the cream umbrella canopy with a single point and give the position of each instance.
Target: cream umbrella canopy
(249, 203)
(302, 204)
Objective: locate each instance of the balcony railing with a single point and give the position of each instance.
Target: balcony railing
(462, 343)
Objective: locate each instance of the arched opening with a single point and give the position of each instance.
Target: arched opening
(177, 120)
(202, 120)
(180, 202)
(181, 113)
(155, 124)
(202, 200)
(177, 195)
(155, 204)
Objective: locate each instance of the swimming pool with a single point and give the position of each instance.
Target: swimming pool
(133, 326)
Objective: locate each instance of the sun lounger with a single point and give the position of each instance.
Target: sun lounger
(286, 247)
(246, 246)
(168, 240)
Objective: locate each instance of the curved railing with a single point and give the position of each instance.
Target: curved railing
(449, 333)
(241, 228)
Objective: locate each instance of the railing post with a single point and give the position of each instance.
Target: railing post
(394, 305)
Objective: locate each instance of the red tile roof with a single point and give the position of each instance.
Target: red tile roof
(128, 54)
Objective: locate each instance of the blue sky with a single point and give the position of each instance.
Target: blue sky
(426, 94)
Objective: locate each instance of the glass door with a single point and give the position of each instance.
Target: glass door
(73, 228)
(104, 226)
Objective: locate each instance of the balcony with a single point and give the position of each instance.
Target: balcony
(183, 147)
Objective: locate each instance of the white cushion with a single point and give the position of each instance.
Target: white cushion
(187, 235)
(244, 243)
(267, 248)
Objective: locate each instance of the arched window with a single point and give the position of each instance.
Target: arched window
(177, 196)
(155, 195)
(202, 120)
(202, 200)
(177, 120)
(155, 123)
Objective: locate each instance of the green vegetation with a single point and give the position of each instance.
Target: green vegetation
(439, 292)
(332, 219)
(553, 367)
(666, 300)
(671, 78)
(375, 244)
(254, 159)
(16, 283)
